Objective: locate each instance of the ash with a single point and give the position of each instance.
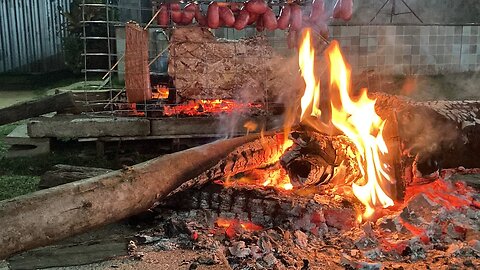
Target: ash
(437, 227)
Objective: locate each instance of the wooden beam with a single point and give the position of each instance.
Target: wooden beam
(36, 107)
(137, 72)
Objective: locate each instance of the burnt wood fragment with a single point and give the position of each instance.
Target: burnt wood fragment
(316, 159)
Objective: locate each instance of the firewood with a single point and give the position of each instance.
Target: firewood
(255, 154)
(45, 216)
(316, 159)
(435, 133)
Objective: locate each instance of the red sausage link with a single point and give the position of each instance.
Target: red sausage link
(176, 13)
(318, 8)
(253, 18)
(284, 18)
(189, 13)
(347, 7)
(226, 15)
(295, 17)
(213, 16)
(162, 17)
(256, 6)
(242, 19)
(269, 20)
(199, 17)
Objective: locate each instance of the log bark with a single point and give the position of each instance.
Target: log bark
(437, 134)
(61, 174)
(49, 215)
(36, 107)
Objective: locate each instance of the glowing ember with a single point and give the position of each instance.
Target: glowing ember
(357, 119)
(205, 107)
(234, 226)
(161, 92)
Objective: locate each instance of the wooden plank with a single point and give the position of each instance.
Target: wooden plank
(137, 74)
(36, 107)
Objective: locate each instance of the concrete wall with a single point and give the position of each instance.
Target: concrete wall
(422, 49)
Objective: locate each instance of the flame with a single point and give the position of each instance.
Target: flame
(206, 106)
(306, 60)
(357, 119)
(161, 92)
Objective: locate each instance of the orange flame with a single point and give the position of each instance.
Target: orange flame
(357, 119)
(306, 60)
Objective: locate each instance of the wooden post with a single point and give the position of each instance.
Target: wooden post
(137, 72)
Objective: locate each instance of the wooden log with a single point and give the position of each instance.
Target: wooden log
(61, 174)
(49, 215)
(437, 134)
(36, 107)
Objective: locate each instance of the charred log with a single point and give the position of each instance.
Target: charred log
(251, 155)
(268, 207)
(316, 159)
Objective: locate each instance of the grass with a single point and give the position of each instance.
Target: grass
(13, 184)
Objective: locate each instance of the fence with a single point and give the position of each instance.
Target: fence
(31, 35)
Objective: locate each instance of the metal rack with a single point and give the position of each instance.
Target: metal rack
(117, 102)
(108, 6)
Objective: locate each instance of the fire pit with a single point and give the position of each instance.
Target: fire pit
(351, 192)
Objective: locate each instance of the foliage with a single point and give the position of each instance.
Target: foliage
(16, 185)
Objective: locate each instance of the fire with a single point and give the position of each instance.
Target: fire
(233, 227)
(311, 96)
(205, 107)
(357, 119)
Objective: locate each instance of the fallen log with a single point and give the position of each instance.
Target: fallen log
(46, 216)
(61, 174)
(36, 107)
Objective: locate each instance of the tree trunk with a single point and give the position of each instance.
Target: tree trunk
(49, 215)
(37, 107)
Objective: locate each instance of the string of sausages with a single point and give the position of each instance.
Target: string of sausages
(258, 12)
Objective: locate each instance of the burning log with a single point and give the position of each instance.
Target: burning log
(69, 209)
(316, 159)
(251, 155)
